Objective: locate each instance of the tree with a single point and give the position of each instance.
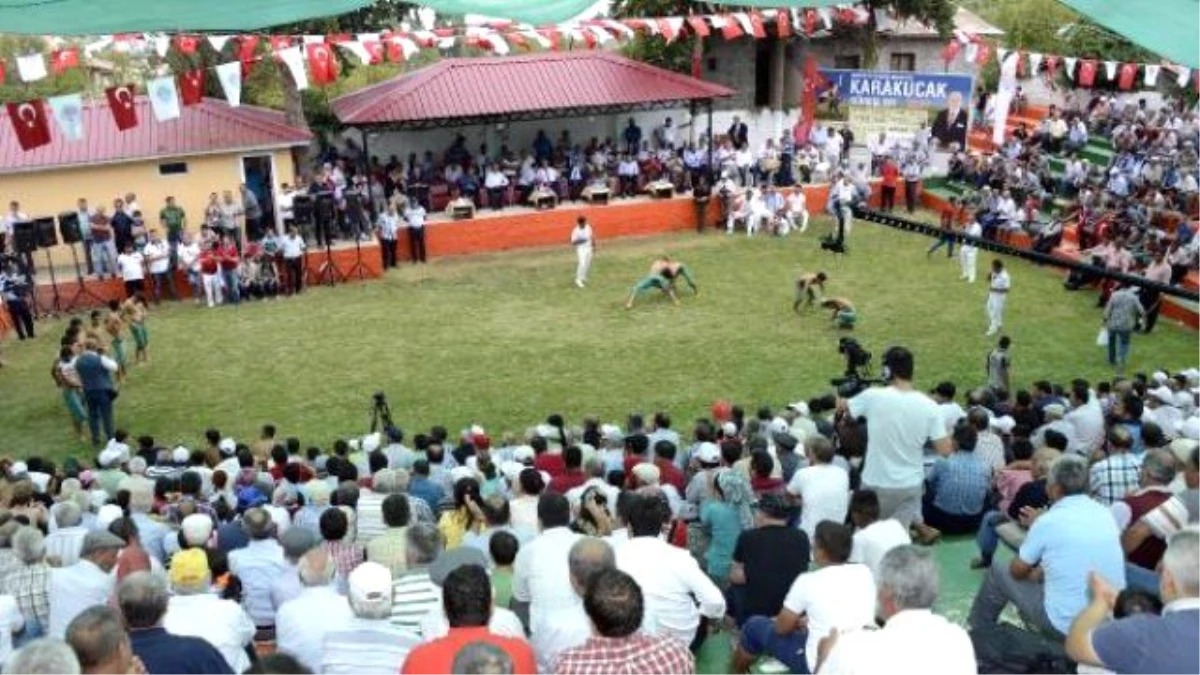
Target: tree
(653, 49)
(12, 89)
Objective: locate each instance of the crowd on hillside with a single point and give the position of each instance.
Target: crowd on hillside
(622, 548)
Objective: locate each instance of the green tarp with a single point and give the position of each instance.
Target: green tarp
(1169, 28)
(101, 17)
(536, 12)
(772, 4)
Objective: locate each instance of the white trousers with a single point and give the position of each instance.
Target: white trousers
(212, 288)
(583, 255)
(995, 311)
(967, 256)
(799, 220)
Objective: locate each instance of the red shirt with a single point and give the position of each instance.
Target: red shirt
(438, 656)
(566, 480)
(208, 262)
(551, 464)
(762, 486)
(890, 173)
(671, 475)
(229, 257)
(630, 462)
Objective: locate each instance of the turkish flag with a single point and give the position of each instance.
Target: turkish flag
(732, 28)
(191, 87)
(375, 49)
(783, 23)
(1051, 67)
(62, 59)
(1126, 76)
(322, 64)
(396, 55)
(756, 25)
(697, 23)
(280, 42)
(551, 35)
(1087, 73)
(187, 44)
(814, 82)
(124, 107)
(246, 46)
(950, 51)
(30, 123)
(1021, 64)
(810, 21)
(983, 53)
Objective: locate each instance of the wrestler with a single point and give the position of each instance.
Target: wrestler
(844, 315)
(809, 287)
(663, 273)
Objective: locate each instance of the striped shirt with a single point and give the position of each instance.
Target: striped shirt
(366, 646)
(390, 549)
(65, 544)
(413, 595)
(29, 585)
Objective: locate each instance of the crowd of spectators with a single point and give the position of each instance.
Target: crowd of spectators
(606, 548)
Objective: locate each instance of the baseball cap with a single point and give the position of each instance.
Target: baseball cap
(107, 514)
(180, 455)
(371, 442)
(227, 446)
(196, 528)
(729, 429)
(189, 568)
(1005, 424)
(1164, 394)
(612, 433)
(100, 540)
(297, 541)
(800, 407)
(708, 453)
(370, 585)
(448, 561)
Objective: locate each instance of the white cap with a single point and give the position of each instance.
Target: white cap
(708, 453)
(18, 469)
(106, 515)
(371, 442)
(477, 430)
(1005, 424)
(729, 429)
(180, 455)
(647, 473)
(196, 528)
(1159, 377)
(511, 470)
(800, 407)
(1163, 394)
(523, 453)
(460, 472)
(109, 457)
(227, 446)
(370, 586)
(778, 426)
(1055, 410)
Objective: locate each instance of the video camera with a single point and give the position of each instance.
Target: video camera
(858, 365)
(833, 244)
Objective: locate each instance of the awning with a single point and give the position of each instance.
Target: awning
(97, 17)
(1166, 27)
(547, 85)
(536, 12)
(775, 4)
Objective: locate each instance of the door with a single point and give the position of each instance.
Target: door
(258, 173)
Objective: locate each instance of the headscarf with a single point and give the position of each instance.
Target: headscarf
(737, 493)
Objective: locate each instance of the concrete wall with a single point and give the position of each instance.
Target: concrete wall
(48, 193)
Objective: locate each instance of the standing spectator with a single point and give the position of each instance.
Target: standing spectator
(890, 174)
(194, 610)
(724, 516)
(367, 642)
(913, 638)
(414, 219)
(838, 595)
(759, 576)
(1047, 580)
(96, 375)
(229, 258)
(467, 600)
(229, 214)
(132, 265)
(257, 566)
(104, 247)
(143, 598)
(292, 248)
(1121, 317)
(253, 212)
(303, 623)
(158, 260)
(900, 420)
(822, 487)
(912, 182)
(632, 136)
(389, 226)
(86, 583)
(173, 219)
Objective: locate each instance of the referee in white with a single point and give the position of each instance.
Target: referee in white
(583, 241)
(998, 287)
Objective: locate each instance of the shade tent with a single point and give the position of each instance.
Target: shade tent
(1166, 27)
(548, 85)
(99, 17)
(775, 4)
(537, 12)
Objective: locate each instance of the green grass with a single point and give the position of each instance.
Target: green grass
(503, 340)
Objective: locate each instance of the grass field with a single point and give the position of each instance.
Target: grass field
(504, 340)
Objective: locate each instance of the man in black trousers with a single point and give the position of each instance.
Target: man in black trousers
(17, 296)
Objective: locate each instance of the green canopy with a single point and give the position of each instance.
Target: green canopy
(776, 4)
(538, 13)
(99, 17)
(1165, 27)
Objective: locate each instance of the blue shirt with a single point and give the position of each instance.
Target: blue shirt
(258, 566)
(960, 484)
(724, 526)
(427, 491)
(1075, 536)
(162, 652)
(1146, 643)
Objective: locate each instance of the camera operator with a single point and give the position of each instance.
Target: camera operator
(14, 286)
(900, 421)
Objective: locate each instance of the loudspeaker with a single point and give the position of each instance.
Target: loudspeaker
(325, 215)
(24, 237)
(46, 236)
(302, 210)
(68, 227)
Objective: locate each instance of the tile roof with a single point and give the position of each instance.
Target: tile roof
(209, 127)
(516, 86)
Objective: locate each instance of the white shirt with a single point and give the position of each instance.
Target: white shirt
(158, 256)
(576, 493)
(415, 216)
(951, 413)
(875, 540)
(672, 584)
(974, 229)
(221, 623)
(1088, 422)
(797, 202)
(565, 628)
(1000, 282)
(65, 543)
(824, 490)
(130, 265)
(503, 622)
(541, 575)
(301, 624)
(495, 179)
(11, 621)
(898, 425)
(366, 646)
(389, 224)
(914, 640)
(523, 512)
(582, 236)
(292, 246)
(74, 589)
(189, 256)
(837, 596)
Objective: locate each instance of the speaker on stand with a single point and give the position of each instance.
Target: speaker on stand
(68, 229)
(47, 238)
(357, 216)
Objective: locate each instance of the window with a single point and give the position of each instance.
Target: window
(904, 62)
(847, 62)
(712, 64)
(172, 168)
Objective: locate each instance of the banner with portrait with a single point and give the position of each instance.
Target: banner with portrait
(897, 103)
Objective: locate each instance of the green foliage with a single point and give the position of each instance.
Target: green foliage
(1034, 25)
(653, 49)
(12, 89)
(938, 14)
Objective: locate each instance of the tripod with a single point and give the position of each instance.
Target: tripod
(354, 211)
(55, 301)
(81, 289)
(327, 273)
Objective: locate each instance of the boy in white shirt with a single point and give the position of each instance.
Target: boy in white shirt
(132, 267)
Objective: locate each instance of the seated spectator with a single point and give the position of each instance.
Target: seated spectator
(467, 601)
(88, 582)
(567, 626)
(433, 625)
(1047, 580)
(194, 610)
(302, 623)
(615, 607)
(958, 487)
(143, 598)
(759, 577)
(1156, 474)
(101, 643)
(722, 518)
(258, 565)
(998, 526)
(388, 547)
(414, 594)
(366, 641)
(1116, 475)
(873, 537)
(913, 638)
(838, 595)
(821, 488)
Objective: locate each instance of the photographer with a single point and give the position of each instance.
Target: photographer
(17, 297)
(900, 421)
